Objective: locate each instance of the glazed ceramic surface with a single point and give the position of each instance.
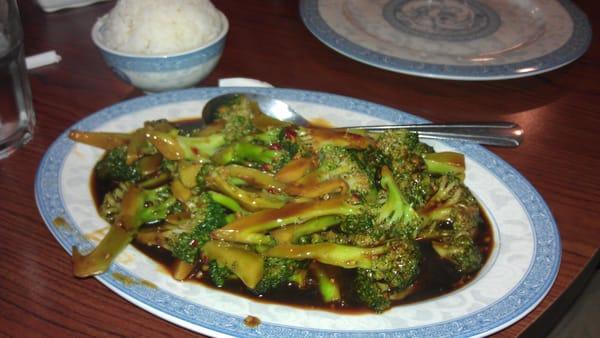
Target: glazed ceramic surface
(515, 278)
(155, 73)
(452, 39)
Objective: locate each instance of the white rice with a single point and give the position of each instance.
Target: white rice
(156, 27)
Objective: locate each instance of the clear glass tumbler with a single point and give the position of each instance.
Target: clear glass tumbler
(17, 117)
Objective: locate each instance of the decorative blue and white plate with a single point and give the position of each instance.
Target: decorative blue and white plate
(453, 39)
(518, 274)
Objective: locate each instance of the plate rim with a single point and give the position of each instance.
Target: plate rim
(49, 180)
(577, 44)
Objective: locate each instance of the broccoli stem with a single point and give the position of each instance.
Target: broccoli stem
(250, 200)
(226, 201)
(102, 140)
(295, 169)
(291, 233)
(149, 164)
(182, 269)
(320, 137)
(180, 191)
(155, 181)
(137, 207)
(251, 229)
(344, 256)
(328, 286)
(134, 147)
(242, 152)
(446, 162)
(318, 189)
(188, 172)
(176, 147)
(251, 176)
(100, 259)
(118, 237)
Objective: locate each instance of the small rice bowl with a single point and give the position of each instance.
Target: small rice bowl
(159, 27)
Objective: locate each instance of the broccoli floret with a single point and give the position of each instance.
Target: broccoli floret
(111, 204)
(169, 166)
(461, 251)
(390, 273)
(357, 224)
(277, 272)
(399, 266)
(452, 218)
(236, 112)
(398, 143)
(374, 295)
(364, 239)
(207, 215)
(397, 213)
(366, 222)
(338, 162)
(204, 172)
(417, 187)
(407, 164)
(392, 267)
(113, 167)
(158, 204)
(371, 160)
(236, 127)
(287, 141)
(451, 210)
(185, 238)
(219, 274)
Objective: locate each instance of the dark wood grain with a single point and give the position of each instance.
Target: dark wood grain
(267, 40)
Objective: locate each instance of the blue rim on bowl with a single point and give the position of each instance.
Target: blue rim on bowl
(142, 62)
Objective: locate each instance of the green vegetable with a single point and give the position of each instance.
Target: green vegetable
(185, 238)
(138, 207)
(274, 205)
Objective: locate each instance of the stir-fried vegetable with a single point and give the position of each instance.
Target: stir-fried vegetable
(270, 205)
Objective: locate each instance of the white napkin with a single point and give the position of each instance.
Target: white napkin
(55, 5)
(42, 59)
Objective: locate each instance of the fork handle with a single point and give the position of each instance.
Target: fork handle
(503, 134)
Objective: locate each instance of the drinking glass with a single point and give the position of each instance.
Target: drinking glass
(17, 117)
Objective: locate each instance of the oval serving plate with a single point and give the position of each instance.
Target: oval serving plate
(519, 273)
(452, 39)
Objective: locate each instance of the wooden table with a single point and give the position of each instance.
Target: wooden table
(558, 110)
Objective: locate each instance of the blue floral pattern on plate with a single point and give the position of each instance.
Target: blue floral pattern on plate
(452, 39)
